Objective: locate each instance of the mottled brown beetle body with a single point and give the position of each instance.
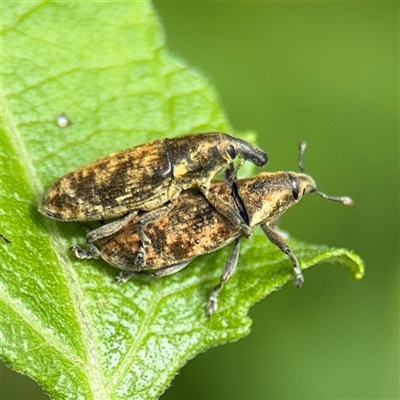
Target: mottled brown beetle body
(145, 178)
(194, 227)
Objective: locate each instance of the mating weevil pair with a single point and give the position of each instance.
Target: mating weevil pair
(146, 178)
(195, 226)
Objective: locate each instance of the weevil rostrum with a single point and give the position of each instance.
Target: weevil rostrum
(194, 227)
(146, 178)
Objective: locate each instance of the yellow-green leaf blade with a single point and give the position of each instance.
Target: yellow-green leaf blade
(66, 322)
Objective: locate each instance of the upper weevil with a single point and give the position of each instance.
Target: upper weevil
(146, 178)
(194, 227)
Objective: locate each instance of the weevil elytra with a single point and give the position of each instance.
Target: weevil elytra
(194, 227)
(147, 178)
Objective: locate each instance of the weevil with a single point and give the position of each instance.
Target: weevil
(146, 178)
(194, 227)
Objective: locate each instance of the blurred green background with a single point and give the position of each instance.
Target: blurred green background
(327, 73)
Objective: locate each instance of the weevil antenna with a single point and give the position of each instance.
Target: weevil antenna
(302, 148)
(347, 201)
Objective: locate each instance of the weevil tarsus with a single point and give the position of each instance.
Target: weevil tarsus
(124, 276)
(277, 240)
(140, 259)
(230, 266)
(92, 252)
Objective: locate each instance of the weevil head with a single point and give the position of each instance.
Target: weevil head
(196, 159)
(300, 184)
(268, 195)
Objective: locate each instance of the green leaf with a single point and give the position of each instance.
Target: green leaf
(65, 322)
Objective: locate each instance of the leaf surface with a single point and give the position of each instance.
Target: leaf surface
(65, 322)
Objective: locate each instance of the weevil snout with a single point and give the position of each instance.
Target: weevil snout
(248, 152)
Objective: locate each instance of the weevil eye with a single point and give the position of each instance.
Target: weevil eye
(231, 151)
(295, 186)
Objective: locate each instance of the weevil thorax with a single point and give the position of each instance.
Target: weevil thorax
(195, 159)
(268, 195)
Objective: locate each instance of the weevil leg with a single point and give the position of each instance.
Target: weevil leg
(145, 219)
(171, 269)
(231, 171)
(124, 276)
(93, 252)
(140, 259)
(226, 210)
(109, 229)
(230, 266)
(275, 226)
(278, 241)
(152, 216)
